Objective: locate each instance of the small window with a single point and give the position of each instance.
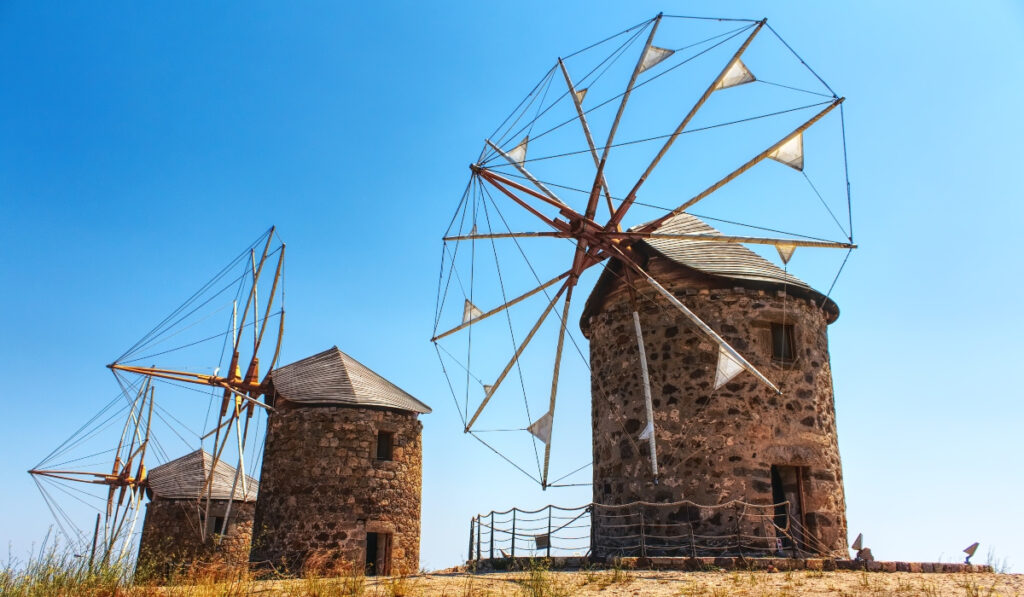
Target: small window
(385, 445)
(782, 342)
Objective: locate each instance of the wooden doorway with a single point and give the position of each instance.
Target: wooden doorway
(788, 496)
(378, 554)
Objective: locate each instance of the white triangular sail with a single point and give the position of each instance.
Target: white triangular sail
(648, 432)
(653, 56)
(518, 154)
(785, 251)
(728, 367)
(470, 312)
(858, 544)
(541, 428)
(736, 74)
(791, 153)
(580, 94)
(487, 389)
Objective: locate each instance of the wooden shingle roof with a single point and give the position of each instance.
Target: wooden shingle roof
(333, 377)
(185, 478)
(728, 260)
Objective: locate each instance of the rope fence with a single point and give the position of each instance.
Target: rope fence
(642, 529)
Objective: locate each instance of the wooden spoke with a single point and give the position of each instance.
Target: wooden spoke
(522, 170)
(722, 238)
(493, 179)
(249, 298)
(253, 371)
(631, 197)
(508, 235)
(648, 403)
(554, 384)
(697, 321)
(501, 308)
(654, 225)
(592, 204)
(515, 357)
(618, 115)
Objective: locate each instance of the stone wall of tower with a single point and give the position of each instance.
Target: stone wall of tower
(715, 446)
(172, 542)
(322, 488)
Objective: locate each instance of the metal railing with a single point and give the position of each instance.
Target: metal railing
(642, 529)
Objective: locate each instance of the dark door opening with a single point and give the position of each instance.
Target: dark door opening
(378, 554)
(787, 494)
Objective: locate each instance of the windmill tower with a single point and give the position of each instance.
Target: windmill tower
(342, 469)
(720, 434)
(199, 510)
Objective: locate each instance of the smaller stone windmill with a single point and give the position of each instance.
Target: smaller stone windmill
(342, 469)
(197, 508)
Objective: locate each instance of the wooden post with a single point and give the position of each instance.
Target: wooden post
(549, 531)
(472, 521)
(492, 534)
(693, 540)
(643, 535)
(513, 533)
(478, 531)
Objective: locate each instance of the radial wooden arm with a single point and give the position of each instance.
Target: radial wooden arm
(502, 307)
(508, 235)
(592, 203)
(554, 384)
(494, 179)
(613, 223)
(515, 357)
(522, 170)
(654, 225)
(618, 115)
(722, 238)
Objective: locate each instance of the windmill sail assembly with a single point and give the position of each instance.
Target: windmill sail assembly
(211, 346)
(662, 171)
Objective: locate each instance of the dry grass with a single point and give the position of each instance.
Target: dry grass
(53, 573)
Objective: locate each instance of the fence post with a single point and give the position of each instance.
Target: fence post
(693, 540)
(479, 532)
(513, 533)
(492, 534)
(643, 534)
(472, 521)
(549, 531)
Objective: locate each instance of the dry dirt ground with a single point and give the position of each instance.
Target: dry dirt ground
(656, 584)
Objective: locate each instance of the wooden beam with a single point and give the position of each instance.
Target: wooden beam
(723, 238)
(591, 210)
(500, 308)
(515, 357)
(522, 170)
(654, 225)
(509, 235)
(618, 115)
(613, 223)
(554, 385)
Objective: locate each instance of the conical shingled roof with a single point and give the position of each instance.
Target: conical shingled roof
(333, 377)
(719, 259)
(185, 478)
(728, 260)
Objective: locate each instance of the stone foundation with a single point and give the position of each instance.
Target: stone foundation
(322, 488)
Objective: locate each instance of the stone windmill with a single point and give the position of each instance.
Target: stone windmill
(713, 113)
(342, 469)
(721, 440)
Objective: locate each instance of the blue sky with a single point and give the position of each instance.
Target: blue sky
(140, 149)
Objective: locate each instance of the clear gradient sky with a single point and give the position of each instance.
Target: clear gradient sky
(141, 147)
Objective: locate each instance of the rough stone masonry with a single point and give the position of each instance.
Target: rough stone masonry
(736, 443)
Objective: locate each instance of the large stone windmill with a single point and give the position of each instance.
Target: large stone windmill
(719, 442)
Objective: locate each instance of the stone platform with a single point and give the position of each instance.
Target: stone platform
(733, 563)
